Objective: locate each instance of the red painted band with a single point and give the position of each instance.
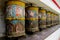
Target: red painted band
(56, 4)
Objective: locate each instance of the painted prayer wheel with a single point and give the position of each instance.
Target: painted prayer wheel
(52, 19)
(15, 16)
(32, 19)
(57, 19)
(48, 19)
(42, 12)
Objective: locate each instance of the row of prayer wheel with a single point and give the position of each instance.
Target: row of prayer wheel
(20, 18)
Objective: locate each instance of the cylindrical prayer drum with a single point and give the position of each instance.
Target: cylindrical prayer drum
(52, 19)
(48, 19)
(15, 16)
(56, 19)
(32, 19)
(42, 12)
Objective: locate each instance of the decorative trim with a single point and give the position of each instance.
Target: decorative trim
(56, 4)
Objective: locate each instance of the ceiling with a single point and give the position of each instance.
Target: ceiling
(41, 4)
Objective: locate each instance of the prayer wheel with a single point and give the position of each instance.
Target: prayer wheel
(15, 17)
(32, 19)
(48, 19)
(42, 14)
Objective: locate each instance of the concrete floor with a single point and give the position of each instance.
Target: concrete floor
(54, 36)
(39, 35)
